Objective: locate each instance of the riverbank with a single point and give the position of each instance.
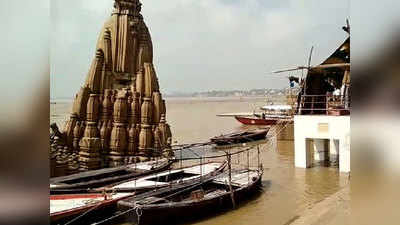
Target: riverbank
(333, 210)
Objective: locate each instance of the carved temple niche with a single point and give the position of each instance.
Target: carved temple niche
(146, 140)
(147, 111)
(118, 140)
(106, 106)
(132, 141)
(90, 144)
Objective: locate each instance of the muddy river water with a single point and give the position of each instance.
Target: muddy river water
(287, 190)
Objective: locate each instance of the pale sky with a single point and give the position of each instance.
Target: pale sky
(202, 45)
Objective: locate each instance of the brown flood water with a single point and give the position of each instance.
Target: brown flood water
(287, 190)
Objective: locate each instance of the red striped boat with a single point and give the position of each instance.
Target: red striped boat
(69, 206)
(253, 120)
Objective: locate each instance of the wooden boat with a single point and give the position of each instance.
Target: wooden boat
(167, 178)
(97, 178)
(64, 208)
(188, 203)
(240, 137)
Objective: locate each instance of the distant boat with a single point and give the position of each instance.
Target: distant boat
(81, 182)
(195, 201)
(240, 137)
(167, 178)
(64, 208)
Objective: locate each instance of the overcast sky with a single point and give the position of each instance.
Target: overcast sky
(202, 45)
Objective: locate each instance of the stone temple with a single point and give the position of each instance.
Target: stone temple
(118, 115)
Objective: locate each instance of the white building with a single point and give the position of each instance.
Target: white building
(322, 123)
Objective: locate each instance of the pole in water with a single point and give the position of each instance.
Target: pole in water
(258, 158)
(181, 158)
(230, 180)
(248, 168)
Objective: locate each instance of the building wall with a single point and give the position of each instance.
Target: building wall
(317, 127)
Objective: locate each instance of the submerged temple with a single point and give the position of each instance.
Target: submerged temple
(119, 114)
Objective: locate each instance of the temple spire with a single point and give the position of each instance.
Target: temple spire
(129, 7)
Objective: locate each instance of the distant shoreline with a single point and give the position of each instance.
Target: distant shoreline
(185, 99)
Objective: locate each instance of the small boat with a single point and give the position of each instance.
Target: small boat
(64, 208)
(192, 202)
(81, 182)
(271, 115)
(240, 137)
(167, 178)
(254, 120)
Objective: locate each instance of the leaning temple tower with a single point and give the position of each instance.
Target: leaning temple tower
(119, 114)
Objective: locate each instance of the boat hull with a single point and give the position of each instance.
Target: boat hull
(194, 210)
(256, 121)
(240, 137)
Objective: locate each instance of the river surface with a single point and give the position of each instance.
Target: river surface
(287, 190)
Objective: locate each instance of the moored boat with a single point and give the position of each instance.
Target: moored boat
(167, 178)
(254, 120)
(81, 182)
(200, 200)
(64, 208)
(240, 137)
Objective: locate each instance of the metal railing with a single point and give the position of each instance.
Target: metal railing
(324, 104)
